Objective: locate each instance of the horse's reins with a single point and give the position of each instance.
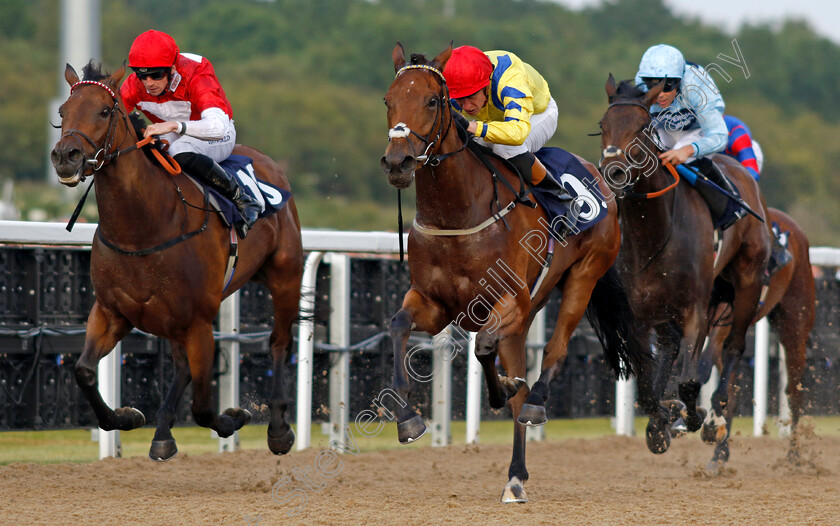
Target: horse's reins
(168, 163)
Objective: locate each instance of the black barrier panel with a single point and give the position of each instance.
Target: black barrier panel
(49, 288)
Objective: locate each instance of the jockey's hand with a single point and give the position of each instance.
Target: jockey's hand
(160, 128)
(678, 156)
(473, 127)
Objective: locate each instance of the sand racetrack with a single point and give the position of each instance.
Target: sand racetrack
(611, 480)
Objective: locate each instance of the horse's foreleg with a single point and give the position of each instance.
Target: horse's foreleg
(280, 434)
(200, 346)
(163, 445)
(417, 311)
(697, 366)
(104, 330)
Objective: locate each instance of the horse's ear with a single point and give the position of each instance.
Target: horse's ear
(652, 93)
(117, 76)
(440, 61)
(610, 86)
(399, 57)
(70, 75)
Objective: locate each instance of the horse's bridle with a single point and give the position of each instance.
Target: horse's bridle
(103, 153)
(612, 151)
(401, 130)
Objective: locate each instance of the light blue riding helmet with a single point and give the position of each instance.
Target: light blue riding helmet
(662, 61)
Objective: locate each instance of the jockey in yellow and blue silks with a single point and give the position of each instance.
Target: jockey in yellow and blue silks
(511, 104)
(688, 119)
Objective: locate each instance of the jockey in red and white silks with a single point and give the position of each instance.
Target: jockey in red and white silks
(193, 97)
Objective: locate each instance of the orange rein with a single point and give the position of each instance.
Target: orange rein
(169, 164)
(668, 188)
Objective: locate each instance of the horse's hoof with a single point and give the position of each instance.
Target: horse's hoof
(679, 429)
(657, 437)
(693, 424)
(240, 416)
(676, 409)
(532, 415)
(411, 430)
(514, 492)
(282, 444)
(162, 450)
(129, 418)
(714, 429)
(714, 467)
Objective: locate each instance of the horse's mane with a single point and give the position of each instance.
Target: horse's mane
(93, 71)
(627, 89)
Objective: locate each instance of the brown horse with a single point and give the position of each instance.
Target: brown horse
(668, 259)
(789, 304)
(469, 267)
(156, 275)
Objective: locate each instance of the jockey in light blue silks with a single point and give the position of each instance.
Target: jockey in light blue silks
(688, 118)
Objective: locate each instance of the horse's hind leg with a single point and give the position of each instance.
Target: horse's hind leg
(512, 355)
(486, 350)
(104, 330)
(200, 351)
(163, 444)
(280, 434)
(718, 422)
(577, 286)
(792, 323)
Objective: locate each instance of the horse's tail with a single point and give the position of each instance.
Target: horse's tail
(611, 317)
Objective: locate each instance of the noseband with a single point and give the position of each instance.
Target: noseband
(402, 131)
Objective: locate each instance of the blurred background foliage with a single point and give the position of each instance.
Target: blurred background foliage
(306, 80)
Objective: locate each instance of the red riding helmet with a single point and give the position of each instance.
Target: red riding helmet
(153, 49)
(467, 71)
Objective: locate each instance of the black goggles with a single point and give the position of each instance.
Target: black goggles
(670, 84)
(151, 73)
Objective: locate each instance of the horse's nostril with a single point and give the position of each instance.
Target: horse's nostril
(407, 165)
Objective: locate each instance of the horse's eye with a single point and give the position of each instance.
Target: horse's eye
(106, 112)
(433, 102)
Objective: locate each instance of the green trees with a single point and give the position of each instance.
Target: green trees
(306, 80)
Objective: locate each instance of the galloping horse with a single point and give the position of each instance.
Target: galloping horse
(789, 305)
(668, 259)
(470, 267)
(158, 263)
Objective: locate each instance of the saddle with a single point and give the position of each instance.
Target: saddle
(271, 198)
(588, 205)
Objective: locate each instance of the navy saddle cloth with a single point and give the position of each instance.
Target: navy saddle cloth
(589, 205)
(270, 197)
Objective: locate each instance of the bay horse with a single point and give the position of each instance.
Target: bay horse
(158, 263)
(668, 260)
(789, 305)
(470, 268)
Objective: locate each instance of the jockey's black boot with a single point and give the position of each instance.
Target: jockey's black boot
(535, 172)
(209, 171)
(725, 211)
(779, 255)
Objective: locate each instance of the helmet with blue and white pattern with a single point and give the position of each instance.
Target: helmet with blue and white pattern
(662, 61)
